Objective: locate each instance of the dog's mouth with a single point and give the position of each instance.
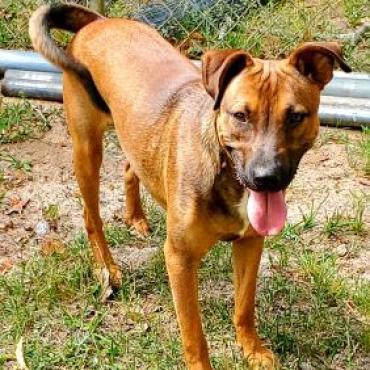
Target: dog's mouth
(266, 207)
(267, 211)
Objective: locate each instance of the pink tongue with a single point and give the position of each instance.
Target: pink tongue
(266, 212)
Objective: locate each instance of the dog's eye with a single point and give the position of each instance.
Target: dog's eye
(240, 116)
(295, 118)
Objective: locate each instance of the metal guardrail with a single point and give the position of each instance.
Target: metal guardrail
(345, 101)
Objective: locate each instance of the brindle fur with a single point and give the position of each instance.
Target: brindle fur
(182, 142)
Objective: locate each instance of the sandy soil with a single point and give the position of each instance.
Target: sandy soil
(325, 181)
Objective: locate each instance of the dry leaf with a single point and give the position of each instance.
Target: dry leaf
(6, 225)
(51, 246)
(364, 181)
(106, 289)
(19, 355)
(5, 265)
(16, 205)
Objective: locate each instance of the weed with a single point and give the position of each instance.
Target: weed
(365, 339)
(309, 219)
(51, 212)
(357, 223)
(338, 222)
(14, 16)
(355, 10)
(364, 149)
(335, 223)
(322, 269)
(16, 163)
(117, 235)
(291, 231)
(361, 297)
(332, 136)
(22, 120)
(358, 152)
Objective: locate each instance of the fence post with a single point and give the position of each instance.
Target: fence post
(97, 5)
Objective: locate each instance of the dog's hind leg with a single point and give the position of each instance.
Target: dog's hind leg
(134, 214)
(86, 125)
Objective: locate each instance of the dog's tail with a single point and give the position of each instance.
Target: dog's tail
(68, 17)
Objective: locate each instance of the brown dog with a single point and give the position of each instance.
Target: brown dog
(200, 146)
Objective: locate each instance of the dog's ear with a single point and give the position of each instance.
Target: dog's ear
(316, 61)
(219, 67)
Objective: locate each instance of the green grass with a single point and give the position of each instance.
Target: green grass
(309, 219)
(359, 152)
(364, 149)
(332, 136)
(13, 23)
(354, 10)
(51, 212)
(357, 148)
(22, 120)
(361, 298)
(338, 223)
(14, 16)
(9, 161)
(54, 303)
(16, 163)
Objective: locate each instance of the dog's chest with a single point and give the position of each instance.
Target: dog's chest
(242, 212)
(228, 206)
(235, 222)
(242, 209)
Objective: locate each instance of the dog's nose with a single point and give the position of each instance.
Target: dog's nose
(266, 178)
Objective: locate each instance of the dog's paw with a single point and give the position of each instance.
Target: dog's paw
(140, 225)
(258, 357)
(261, 359)
(115, 276)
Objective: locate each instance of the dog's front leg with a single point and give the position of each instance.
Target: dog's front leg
(246, 259)
(182, 268)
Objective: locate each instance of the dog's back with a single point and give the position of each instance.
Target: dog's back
(131, 51)
(119, 48)
(129, 71)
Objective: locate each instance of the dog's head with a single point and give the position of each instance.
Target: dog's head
(268, 109)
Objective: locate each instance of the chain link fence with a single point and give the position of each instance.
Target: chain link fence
(193, 25)
(190, 25)
(267, 28)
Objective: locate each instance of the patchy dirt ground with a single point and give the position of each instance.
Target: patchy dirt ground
(325, 183)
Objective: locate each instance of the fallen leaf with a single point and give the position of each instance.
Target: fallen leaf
(324, 158)
(103, 277)
(51, 246)
(6, 225)
(364, 181)
(5, 265)
(28, 227)
(146, 328)
(19, 355)
(16, 205)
